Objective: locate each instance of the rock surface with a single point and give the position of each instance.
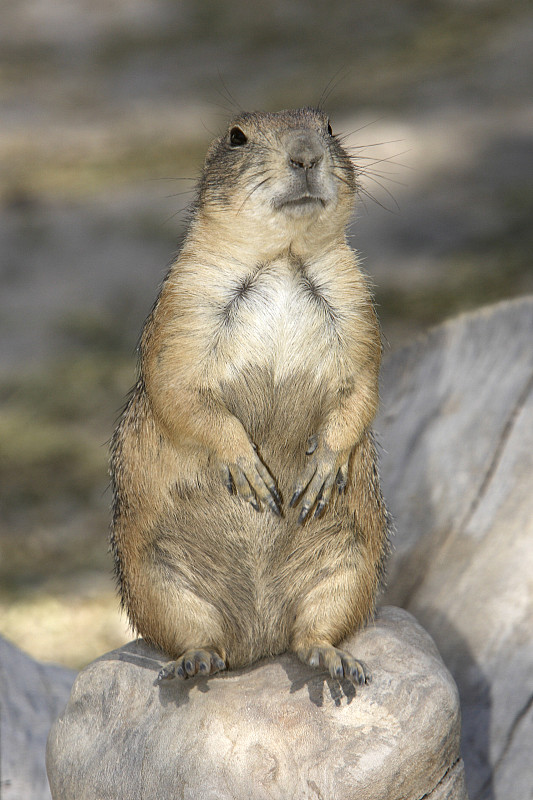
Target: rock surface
(31, 697)
(457, 430)
(277, 730)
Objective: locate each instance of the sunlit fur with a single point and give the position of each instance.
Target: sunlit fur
(263, 334)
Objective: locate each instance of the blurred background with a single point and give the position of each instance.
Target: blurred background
(106, 112)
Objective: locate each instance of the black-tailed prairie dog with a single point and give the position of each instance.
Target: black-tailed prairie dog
(248, 518)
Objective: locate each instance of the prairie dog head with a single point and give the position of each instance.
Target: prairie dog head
(282, 175)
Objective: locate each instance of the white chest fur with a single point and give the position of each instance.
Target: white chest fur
(278, 318)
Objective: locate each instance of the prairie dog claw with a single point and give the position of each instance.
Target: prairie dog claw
(250, 479)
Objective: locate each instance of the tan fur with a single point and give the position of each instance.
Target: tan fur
(263, 344)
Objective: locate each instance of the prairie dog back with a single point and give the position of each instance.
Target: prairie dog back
(248, 518)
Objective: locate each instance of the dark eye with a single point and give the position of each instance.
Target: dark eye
(237, 137)
(330, 130)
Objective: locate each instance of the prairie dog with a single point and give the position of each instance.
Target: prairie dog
(248, 518)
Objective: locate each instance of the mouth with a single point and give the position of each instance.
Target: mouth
(306, 202)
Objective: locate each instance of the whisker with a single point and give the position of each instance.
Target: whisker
(181, 194)
(362, 128)
(332, 84)
(342, 180)
(232, 105)
(384, 175)
(387, 192)
(258, 186)
(362, 199)
(362, 190)
(374, 144)
(175, 214)
(171, 179)
(387, 160)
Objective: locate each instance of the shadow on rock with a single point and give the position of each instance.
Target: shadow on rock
(476, 702)
(316, 683)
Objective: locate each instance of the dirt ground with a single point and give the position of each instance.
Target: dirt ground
(107, 110)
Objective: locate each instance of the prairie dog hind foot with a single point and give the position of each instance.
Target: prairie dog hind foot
(337, 662)
(191, 663)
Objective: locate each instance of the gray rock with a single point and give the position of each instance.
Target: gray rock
(31, 697)
(276, 730)
(457, 430)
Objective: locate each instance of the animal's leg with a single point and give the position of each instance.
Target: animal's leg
(326, 614)
(182, 624)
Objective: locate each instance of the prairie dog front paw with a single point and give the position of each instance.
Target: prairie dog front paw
(324, 470)
(248, 477)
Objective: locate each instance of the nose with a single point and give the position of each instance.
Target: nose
(304, 149)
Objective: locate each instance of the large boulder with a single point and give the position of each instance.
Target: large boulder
(31, 697)
(276, 730)
(457, 431)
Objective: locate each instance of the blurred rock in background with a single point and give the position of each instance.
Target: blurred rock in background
(107, 110)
